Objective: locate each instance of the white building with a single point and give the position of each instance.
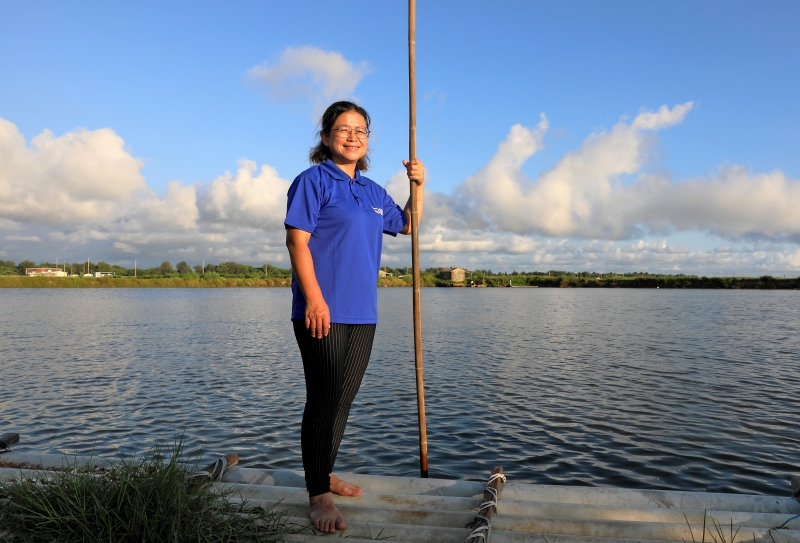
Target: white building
(46, 272)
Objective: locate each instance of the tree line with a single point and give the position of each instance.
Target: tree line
(429, 276)
(586, 279)
(406, 270)
(165, 269)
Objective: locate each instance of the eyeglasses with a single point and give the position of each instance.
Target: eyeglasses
(345, 131)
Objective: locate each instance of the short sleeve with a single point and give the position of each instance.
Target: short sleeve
(303, 203)
(394, 219)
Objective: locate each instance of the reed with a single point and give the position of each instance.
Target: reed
(148, 497)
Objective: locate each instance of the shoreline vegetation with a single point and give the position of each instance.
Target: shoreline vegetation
(232, 274)
(667, 282)
(154, 496)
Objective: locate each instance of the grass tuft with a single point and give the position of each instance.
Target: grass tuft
(720, 536)
(146, 498)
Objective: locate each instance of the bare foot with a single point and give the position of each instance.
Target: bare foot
(343, 488)
(324, 515)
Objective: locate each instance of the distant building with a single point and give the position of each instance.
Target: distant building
(100, 274)
(453, 274)
(46, 272)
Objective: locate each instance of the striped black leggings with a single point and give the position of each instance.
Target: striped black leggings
(334, 367)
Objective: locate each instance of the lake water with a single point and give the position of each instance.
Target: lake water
(671, 389)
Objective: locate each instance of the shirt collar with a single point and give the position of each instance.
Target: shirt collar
(337, 173)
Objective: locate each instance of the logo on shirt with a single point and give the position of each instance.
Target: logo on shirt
(377, 210)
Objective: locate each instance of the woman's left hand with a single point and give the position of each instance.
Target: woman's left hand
(415, 170)
(416, 173)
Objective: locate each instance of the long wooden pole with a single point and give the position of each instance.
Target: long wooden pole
(412, 154)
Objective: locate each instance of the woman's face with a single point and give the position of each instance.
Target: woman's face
(347, 150)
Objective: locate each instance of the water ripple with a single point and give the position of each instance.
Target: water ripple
(691, 390)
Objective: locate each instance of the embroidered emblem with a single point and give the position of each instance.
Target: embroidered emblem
(377, 210)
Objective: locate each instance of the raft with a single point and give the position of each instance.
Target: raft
(411, 510)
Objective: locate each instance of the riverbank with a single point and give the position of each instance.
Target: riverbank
(137, 282)
(765, 282)
(20, 281)
(690, 282)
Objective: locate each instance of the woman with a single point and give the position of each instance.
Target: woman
(335, 222)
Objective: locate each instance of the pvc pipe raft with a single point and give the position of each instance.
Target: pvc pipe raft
(405, 509)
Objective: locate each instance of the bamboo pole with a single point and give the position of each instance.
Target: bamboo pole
(412, 154)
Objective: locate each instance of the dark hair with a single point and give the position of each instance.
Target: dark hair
(320, 152)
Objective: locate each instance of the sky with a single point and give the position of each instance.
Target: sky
(578, 135)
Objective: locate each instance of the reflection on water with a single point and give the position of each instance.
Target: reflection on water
(693, 390)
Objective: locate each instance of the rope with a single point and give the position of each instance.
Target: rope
(477, 533)
(492, 491)
(787, 522)
(217, 469)
(222, 464)
(485, 531)
(490, 503)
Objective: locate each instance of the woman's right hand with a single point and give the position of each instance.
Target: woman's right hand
(318, 318)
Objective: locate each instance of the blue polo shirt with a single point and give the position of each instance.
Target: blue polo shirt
(347, 219)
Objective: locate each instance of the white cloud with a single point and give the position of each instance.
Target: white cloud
(734, 202)
(498, 191)
(177, 211)
(78, 177)
(788, 260)
(6, 224)
(664, 117)
(246, 200)
(512, 252)
(399, 187)
(583, 194)
(23, 238)
(124, 247)
(573, 198)
(580, 213)
(318, 75)
(82, 195)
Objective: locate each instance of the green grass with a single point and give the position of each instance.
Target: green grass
(718, 535)
(147, 498)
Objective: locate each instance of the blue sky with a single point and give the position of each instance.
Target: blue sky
(669, 142)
